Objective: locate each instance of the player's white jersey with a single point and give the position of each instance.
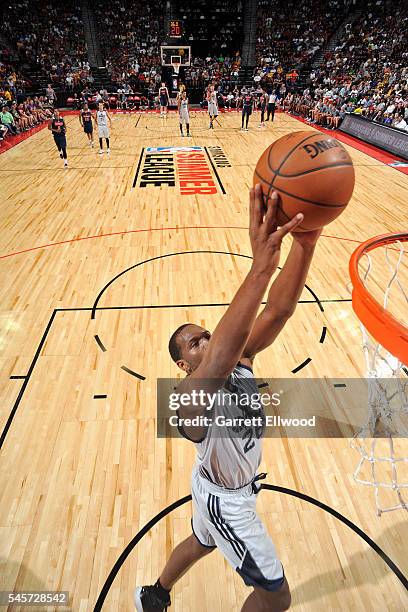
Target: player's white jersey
(230, 456)
(102, 118)
(183, 111)
(212, 98)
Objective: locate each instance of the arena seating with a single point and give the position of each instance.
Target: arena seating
(366, 72)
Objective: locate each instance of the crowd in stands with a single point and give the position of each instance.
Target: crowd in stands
(49, 39)
(290, 32)
(132, 32)
(17, 118)
(222, 70)
(367, 73)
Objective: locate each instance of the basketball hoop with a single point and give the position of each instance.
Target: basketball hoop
(380, 302)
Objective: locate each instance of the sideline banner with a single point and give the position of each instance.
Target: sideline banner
(387, 138)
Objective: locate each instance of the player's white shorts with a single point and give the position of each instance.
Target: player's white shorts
(103, 132)
(212, 109)
(228, 520)
(184, 117)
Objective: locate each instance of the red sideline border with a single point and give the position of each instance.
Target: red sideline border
(370, 150)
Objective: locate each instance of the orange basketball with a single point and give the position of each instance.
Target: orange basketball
(313, 174)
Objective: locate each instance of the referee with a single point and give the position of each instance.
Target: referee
(271, 106)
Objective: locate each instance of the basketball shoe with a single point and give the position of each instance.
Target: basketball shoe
(151, 598)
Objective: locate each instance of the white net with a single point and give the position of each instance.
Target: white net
(383, 441)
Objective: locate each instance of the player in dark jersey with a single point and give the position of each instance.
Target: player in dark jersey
(59, 130)
(263, 101)
(247, 105)
(85, 119)
(164, 99)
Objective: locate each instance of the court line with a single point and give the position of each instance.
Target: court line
(27, 379)
(132, 373)
(99, 343)
(92, 310)
(138, 168)
(202, 252)
(154, 229)
(184, 500)
(302, 365)
(215, 171)
(324, 330)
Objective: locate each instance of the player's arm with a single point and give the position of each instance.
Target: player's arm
(95, 118)
(283, 295)
(80, 119)
(110, 120)
(231, 335)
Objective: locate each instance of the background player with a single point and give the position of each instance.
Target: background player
(59, 130)
(101, 119)
(85, 119)
(212, 105)
(224, 477)
(184, 116)
(263, 101)
(271, 105)
(164, 100)
(247, 105)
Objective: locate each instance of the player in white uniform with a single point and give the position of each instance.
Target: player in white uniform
(223, 482)
(101, 119)
(212, 105)
(184, 117)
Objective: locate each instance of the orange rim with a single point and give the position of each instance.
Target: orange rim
(389, 332)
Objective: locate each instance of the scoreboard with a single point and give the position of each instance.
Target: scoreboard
(175, 28)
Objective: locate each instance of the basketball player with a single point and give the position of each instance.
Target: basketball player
(263, 101)
(224, 479)
(247, 105)
(85, 119)
(184, 116)
(59, 130)
(164, 99)
(101, 120)
(212, 105)
(271, 106)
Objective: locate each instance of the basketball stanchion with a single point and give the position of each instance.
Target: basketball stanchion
(381, 306)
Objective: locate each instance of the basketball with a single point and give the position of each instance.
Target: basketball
(313, 174)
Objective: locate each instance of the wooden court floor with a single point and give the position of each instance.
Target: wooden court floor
(81, 476)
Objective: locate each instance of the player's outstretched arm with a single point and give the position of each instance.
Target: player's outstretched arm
(284, 294)
(227, 343)
(232, 332)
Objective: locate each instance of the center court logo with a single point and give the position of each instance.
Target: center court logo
(189, 168)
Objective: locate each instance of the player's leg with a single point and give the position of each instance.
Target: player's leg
(107, 143)
(242, 118)
(183, 557)
(241, 537)
(260, 600)
(273, 111)
(188, 129)
(156, 597)
(247, 120)
(181, 126)
(100, 144)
